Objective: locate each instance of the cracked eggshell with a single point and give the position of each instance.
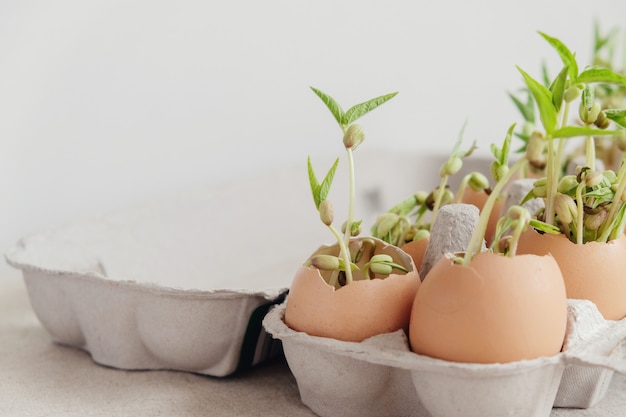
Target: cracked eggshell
(358, 310)
(592, 271)
(497, 309)
(416, 249)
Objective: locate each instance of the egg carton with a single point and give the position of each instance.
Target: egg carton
(182, 282)
(382, 377)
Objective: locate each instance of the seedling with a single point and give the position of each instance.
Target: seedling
(599, 214)
(351, 251)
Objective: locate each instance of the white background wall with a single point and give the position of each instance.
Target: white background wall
(105, 103)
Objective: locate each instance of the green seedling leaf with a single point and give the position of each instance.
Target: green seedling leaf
(545, 75)
(600, 195)
(361, 109)
(526, 109)
(558, 88)
(568, 58)
(600, 75)
(320, 190)
(332, 105)
(575, 131)
(617, 116)
(545, 227)
(543, 98)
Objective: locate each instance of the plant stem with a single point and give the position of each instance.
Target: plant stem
(615, 203)
(553, 169)
(348, 232)
(344, 252)
(441, 189)
(590, 152)
(551, 180)
(459, 194)
(579, 208)
(479, 234)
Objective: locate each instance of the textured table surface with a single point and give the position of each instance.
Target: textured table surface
(41, 378)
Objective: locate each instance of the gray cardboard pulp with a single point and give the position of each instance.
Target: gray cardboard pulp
(183, 282)
(355, 379)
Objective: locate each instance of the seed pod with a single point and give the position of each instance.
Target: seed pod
(381, 268)
(381, 257)
(326, 212)
(519, 213)
(593, 178)
(535, 150)
(325, 262)
(353, 136)
(565, 208)
(589, 114)
(421, 197)
(447, 197)
(498, 171)
(567, 184)
(610, 176)
(594, 221)
(421, 234)
(478, 181)
(572, 93)
(602, 122)
(540, 191)
(451, 167)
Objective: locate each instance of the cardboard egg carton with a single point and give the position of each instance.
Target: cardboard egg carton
(183, 282)
(382, 377)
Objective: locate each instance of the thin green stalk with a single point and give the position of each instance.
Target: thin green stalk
(442, 188)
(615, 204)
(344, 252)
(590, 152)
(479, 234)
(553, 168)
(579, 208)
(551, 181)
(348, 232)
(461, 190)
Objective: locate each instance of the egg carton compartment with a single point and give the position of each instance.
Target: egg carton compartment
(182, 282)
(382, 377)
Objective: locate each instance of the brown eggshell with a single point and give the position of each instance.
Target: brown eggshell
(478, 199)
(416, 250)
(495, 310)
(592, 271)
(361, 309)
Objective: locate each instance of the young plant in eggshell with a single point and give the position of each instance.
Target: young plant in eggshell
(358, 287)
(492, 307)
(408, 223)
(589, 206)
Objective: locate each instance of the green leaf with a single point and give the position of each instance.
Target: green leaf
(315, 186)
(320, 191)
(568, 58)
(361, 109)
(600, 75)
(332, 105)
(558, 88)
(575, 131)
(527, 109)
(327, 181)
(543, 98)
(617, 116)
(545, 76)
